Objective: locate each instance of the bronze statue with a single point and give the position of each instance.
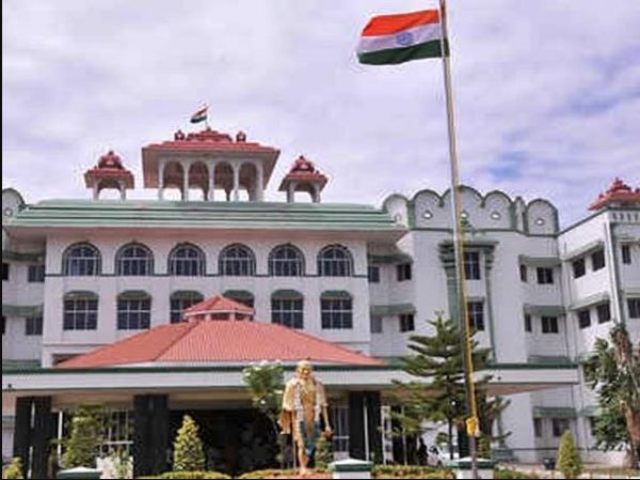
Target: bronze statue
(303, 402)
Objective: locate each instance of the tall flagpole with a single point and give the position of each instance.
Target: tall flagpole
(458, 248)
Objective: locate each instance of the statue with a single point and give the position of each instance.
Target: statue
(303, 402)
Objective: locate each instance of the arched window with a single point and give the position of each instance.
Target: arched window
(237, 260)
(241, 296)
(80, 311)
(335, 261)
(182, 300)
(81, 259)
(134, 310)
(134, 259)
(336, 310)
(287, 308)
(186, 260)
(286, 261)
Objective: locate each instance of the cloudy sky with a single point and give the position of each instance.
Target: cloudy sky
(547, 93)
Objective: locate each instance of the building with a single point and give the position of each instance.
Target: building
(88, 283)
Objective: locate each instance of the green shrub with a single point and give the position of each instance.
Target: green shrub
(193, 475)
(411, 471)
(507, 474)
(81, 447)
(569, 462)
(188, 454)
(324, 453)
(273, 473)
(14, 469)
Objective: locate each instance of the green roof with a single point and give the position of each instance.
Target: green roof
(179, 214)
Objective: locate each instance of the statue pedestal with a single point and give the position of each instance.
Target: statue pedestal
(351, 468)
(462, 468)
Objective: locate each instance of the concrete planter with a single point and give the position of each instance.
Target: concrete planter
(462, 468)
(351, 468)
(80, 473)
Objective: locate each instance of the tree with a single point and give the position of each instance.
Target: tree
(613, 372)
(324, 452)
(188, 455)
(569, 461)
(440, 396)
(82, 445)
(266, 385)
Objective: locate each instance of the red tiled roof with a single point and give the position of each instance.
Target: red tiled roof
(218, 342)
(109, 167)
(618, 193)
(303, 170)
(210, 140)
(218, 304)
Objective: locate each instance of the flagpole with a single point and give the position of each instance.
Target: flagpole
(458, 248)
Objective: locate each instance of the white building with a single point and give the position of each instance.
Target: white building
(82, 274)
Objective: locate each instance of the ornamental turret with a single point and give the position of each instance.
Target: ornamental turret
(109, 173)
(619, 195)
(303, 177)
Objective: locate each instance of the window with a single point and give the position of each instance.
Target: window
(35, 274)
(340, 424)
(626, 254)
(579, 268)
(80, 312)
(559, 426)
(186, 260)
(373, 274)
(597, 260)
(287, 312)
(634, 307)
(549, 324)
(5, 271)
(406, 322)
(545, 275)
(82, 259)
(376, 324)
(472, 265)
(134, 312)
(134, 260)
(584, 318)
(403, 272)
(335, 261)
(33, 326)
(117, 431)
(180, 301)
(537, 427)
(336, 312)
(604, 313)
(527, 322)
(475, 315)
(237, 260)
(523, 273)
(286, 261)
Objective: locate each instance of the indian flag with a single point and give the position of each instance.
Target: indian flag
(200, 115)
(390, 39)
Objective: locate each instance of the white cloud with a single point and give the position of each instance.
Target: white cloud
(558, 82)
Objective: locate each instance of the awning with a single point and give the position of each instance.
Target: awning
(548, 262)
(392, 310)
(589, 301)
(544, 310)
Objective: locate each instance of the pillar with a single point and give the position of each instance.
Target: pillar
(160, 179)
(365, 433)
(236, 182)
(150, 434)
(96, 191)
(43, 432)
(290, 193)
(22, 432)
(212, 181)
(260, 183)
(123, 190)
(316, 193)
(186, 166)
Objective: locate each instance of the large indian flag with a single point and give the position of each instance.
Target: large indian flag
(389, 39)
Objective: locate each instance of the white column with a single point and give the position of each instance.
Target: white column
(236, 182)
(123, 190)
(291, 192)
(212, 182)
(316, 193)
(95, 190)
(160, 179)
(260, 183)
(186, 166)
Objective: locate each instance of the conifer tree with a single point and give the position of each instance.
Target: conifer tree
(188, 453)
(569, 462)
(440, 395)
(13, 470)
(82, 446)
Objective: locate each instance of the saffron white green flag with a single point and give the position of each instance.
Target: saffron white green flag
(200, 115)
(390, 39)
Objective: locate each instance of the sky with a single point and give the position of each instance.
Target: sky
(546, 93)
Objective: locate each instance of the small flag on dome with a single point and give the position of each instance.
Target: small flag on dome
(200, 115)
(399, 38)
